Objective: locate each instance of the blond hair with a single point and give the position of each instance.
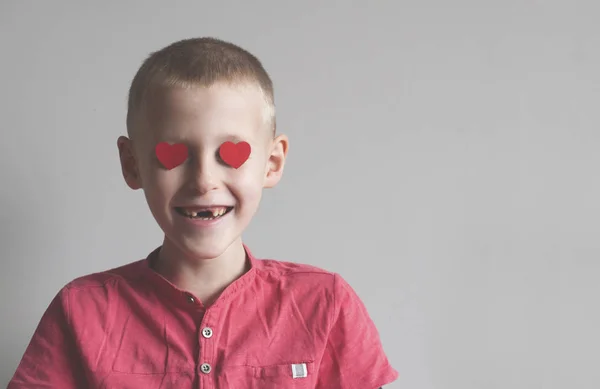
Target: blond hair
(200, 62)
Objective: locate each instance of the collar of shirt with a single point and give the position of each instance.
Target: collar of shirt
(175, 295)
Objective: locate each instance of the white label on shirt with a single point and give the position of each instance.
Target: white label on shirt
(299, 370)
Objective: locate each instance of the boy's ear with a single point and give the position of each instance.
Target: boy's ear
(128, 163)
(276, 161)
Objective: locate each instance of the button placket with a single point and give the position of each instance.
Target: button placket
(207, 333)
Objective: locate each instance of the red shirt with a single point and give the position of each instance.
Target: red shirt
(280, 325)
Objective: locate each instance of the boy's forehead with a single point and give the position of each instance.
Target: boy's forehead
(194, 101)
(219, 106)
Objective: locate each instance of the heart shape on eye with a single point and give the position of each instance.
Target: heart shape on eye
(171, 156)
(234, 154)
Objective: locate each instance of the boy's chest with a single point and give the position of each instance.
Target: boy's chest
(238, 345)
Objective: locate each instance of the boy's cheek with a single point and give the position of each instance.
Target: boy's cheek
(157, 185)
(248, 182)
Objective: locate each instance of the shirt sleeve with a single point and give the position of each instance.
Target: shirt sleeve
(354, 357)
(51, 358)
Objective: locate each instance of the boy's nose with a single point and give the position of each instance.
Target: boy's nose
(203, 177)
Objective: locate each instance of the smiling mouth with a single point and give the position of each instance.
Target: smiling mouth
(211, 213)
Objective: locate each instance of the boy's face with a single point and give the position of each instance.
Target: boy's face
(203, 119)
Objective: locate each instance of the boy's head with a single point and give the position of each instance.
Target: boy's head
(189, 99)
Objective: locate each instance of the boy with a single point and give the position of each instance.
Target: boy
(201, 311)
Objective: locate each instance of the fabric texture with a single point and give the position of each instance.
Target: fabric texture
(280, 325)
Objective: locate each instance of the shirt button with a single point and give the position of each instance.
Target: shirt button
(190, 298)
(207, 332)
(205, 368)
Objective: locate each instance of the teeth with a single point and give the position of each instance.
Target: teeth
(216, 212)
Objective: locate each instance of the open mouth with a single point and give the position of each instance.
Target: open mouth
(210, 213)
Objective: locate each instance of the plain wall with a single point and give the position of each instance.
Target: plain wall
(443, 159)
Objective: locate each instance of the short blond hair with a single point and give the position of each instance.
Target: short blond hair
(199, 62)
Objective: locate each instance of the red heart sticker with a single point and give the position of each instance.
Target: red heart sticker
(234, 154)
(171, 155)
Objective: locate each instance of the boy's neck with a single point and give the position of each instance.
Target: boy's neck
(206, 279)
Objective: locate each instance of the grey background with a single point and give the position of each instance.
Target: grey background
(443, 160)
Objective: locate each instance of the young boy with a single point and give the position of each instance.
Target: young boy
(201, 311)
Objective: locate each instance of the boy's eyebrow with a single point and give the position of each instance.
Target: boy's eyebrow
(172, 139)
(233, 138)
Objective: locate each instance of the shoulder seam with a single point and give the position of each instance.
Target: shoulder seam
(111, 278)
(306, 271)
(68, 315)
(68, 304)
(333, 311)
